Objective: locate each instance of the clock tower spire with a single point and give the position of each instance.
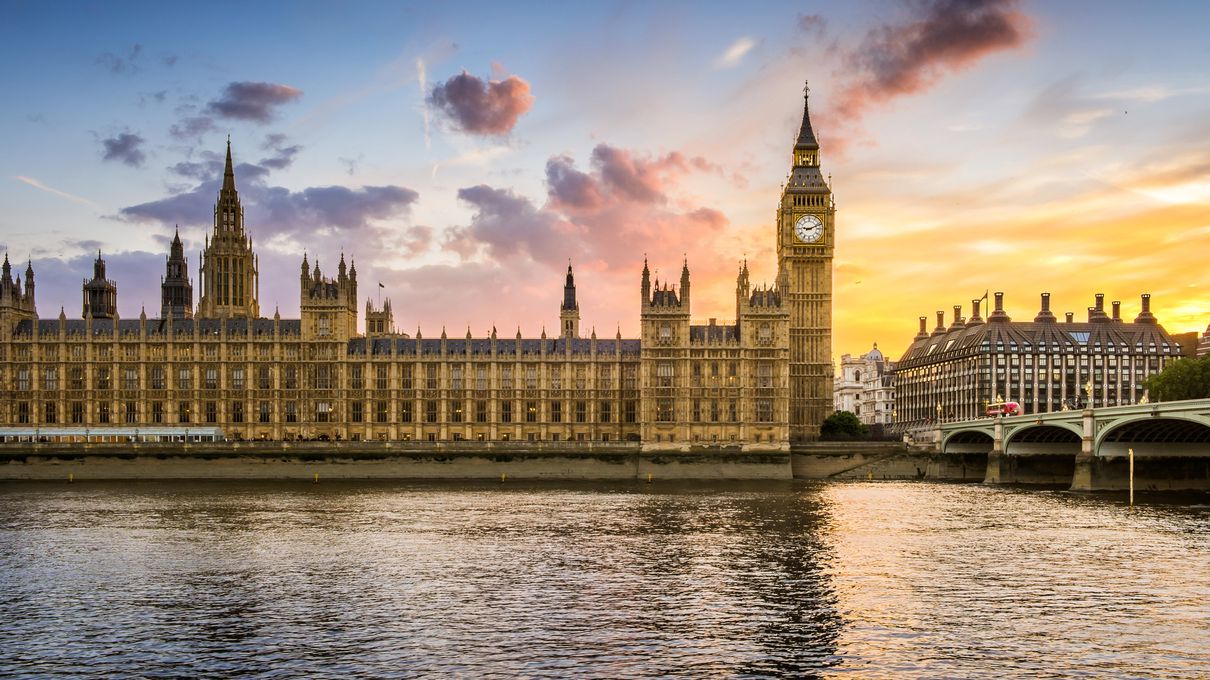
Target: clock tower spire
(805, 239)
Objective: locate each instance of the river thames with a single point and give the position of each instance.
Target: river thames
(219, 579)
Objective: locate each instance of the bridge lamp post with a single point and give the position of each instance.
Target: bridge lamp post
(1088, 394)
(938, 413)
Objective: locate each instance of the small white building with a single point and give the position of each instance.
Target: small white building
(865, 387)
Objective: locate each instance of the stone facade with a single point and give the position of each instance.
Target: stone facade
(865, 387)
(1045, 364)
(679, 386)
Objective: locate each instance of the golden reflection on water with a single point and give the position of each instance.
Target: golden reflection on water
(602, 580)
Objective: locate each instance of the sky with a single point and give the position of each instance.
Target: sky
(462, 154)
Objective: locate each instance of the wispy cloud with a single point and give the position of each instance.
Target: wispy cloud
(734, 54)
(37, 184)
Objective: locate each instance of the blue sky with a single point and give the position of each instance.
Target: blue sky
(1068, 155)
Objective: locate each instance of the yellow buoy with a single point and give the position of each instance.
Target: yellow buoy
(316, 478)
(648, 477)
(503, 476)
(71, 477)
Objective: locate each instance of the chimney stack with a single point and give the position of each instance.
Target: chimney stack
(1098, 311)
(975, 319)
(940, 323)
(958, 321)
(924, 333)
(1070, 317)
(1117, 310)
(1045, 315)
(1145, 316)
(998, 314)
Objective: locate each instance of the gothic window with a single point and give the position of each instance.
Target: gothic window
(103, 412)
(430, 411)
(211, 412)
(506, 411)
(605, 377)
(23, 412)
(380, 376)
(131, 410)
(264, 411)
(157, 377)
(325, 325)
(380, 411)
(75, 378)
(531, 377)
(405, 411)
(23, 381)
(291, 412)
(237, 378)
(430, 379)
(663, 410)
(405, 376)
(455, 377)
(480, 411)
(102, 378)
(665, 333)
(581, 411)
(77, 413)
(51, 413)
(531, 411)
(264, 380)
(604, 410)
(456, 411)
(323, 411)
(664, 374)
(211, 379)
(506, 377)
(556, 411)
(481, 377)
(183, 411)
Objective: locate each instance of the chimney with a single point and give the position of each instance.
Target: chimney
(1145, 316)
(975, 319)
(1091, 313)
(1070, 317)
(958, 323)
(1117, 310)
(1098, 311)
(998, 314)
(1045, 315)
(924, 333)
(940, 323)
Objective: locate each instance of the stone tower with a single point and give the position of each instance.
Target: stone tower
(229, 270)
(328, 306)
(569, 311)
(176, 290)
(16, 303)
(100, 294)
(379, 321)
(805, 240)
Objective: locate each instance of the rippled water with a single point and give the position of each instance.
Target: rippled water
(404, 579)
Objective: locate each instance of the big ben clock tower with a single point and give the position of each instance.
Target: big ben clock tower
(806, 235)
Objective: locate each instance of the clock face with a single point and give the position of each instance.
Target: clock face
(808, 229)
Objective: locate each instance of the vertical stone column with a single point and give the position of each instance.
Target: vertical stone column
(996, 458)
(1084, 477)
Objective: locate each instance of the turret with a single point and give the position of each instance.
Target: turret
(176, 289)
(646, 285)
(229, 271)
(685, 283)
(569, 310)
(100, 294)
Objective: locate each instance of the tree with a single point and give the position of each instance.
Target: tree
(1181, 379)
(843, 425)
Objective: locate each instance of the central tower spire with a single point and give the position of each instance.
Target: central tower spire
(229, 271)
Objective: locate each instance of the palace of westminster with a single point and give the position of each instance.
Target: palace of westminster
(758, 382)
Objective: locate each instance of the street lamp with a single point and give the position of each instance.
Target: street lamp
(938, 412)
(1088, 393)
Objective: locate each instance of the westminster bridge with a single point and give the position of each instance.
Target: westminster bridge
(1090, 448)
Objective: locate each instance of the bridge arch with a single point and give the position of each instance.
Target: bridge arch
(968, 441)
(1166, 435)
